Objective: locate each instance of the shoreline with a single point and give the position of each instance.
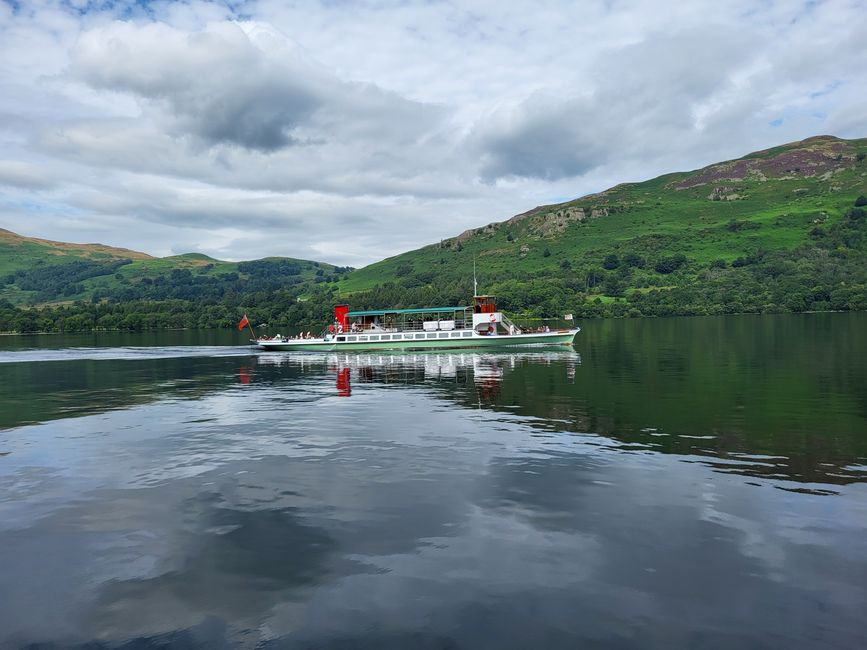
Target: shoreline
(589, 318)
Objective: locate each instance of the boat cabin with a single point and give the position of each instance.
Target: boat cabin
(484, 305)
(482, 318)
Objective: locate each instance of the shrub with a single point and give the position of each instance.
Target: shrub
(546, 253)
(611, 262)
(861, 201)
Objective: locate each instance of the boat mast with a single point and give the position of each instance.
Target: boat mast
(475, 284)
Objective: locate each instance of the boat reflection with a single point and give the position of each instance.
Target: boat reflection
(485, 371)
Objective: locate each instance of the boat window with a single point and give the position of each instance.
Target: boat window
(341, 338)
(362, 338)
(432, 336)
(407, 336)
(374, 338)
(385, 337)
(466, 334)
(419, 336)
(444, 335)
(455, 334)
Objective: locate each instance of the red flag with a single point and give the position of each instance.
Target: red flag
(244, 322)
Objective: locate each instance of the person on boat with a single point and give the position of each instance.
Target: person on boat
(547, 329)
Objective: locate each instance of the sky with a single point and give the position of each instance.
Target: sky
(346, 132)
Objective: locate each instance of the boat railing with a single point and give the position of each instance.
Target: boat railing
(510, 326)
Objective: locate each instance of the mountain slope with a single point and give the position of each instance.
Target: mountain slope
(18, 252)
(697, 229)
(39, 271)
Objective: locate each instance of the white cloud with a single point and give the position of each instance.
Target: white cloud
(350, 132)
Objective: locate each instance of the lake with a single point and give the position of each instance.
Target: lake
(668, 483)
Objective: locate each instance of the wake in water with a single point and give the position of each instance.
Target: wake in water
(124, 353)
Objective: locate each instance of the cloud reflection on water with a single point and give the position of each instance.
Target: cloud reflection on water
(508, 500)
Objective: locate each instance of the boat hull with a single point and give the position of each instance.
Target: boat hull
(563, 337)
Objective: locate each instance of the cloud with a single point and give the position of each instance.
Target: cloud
(214, 84)
(241, 84)
(24, 175)
(357, 131)
(634, 103)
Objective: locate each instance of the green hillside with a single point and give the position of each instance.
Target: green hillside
(777, 230)
(41, 272)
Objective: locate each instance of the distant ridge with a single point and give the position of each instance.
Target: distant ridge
(10, 238)
(42, 272)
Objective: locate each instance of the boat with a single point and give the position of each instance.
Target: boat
(480, 325)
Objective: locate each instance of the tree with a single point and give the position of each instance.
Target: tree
(612, 286)
(403, 269)
(546, 253)
(861, 201)
(593, 278)
(633, 260)
(611, 262)
(670, 264)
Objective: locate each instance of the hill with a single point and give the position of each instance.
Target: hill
(41, 272)
(776, 230)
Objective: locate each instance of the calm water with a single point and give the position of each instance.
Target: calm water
(673, 483)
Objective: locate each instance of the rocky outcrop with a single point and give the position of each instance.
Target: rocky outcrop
(725, 193)
(815, 156)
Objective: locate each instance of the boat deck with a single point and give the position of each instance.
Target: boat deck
(464, 338)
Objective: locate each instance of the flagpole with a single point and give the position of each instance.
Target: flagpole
(249, 325)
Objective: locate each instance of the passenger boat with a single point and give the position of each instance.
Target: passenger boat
(480, 325)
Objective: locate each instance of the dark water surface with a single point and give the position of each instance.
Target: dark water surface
(672, 483)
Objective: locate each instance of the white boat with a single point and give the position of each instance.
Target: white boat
(478, 326)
